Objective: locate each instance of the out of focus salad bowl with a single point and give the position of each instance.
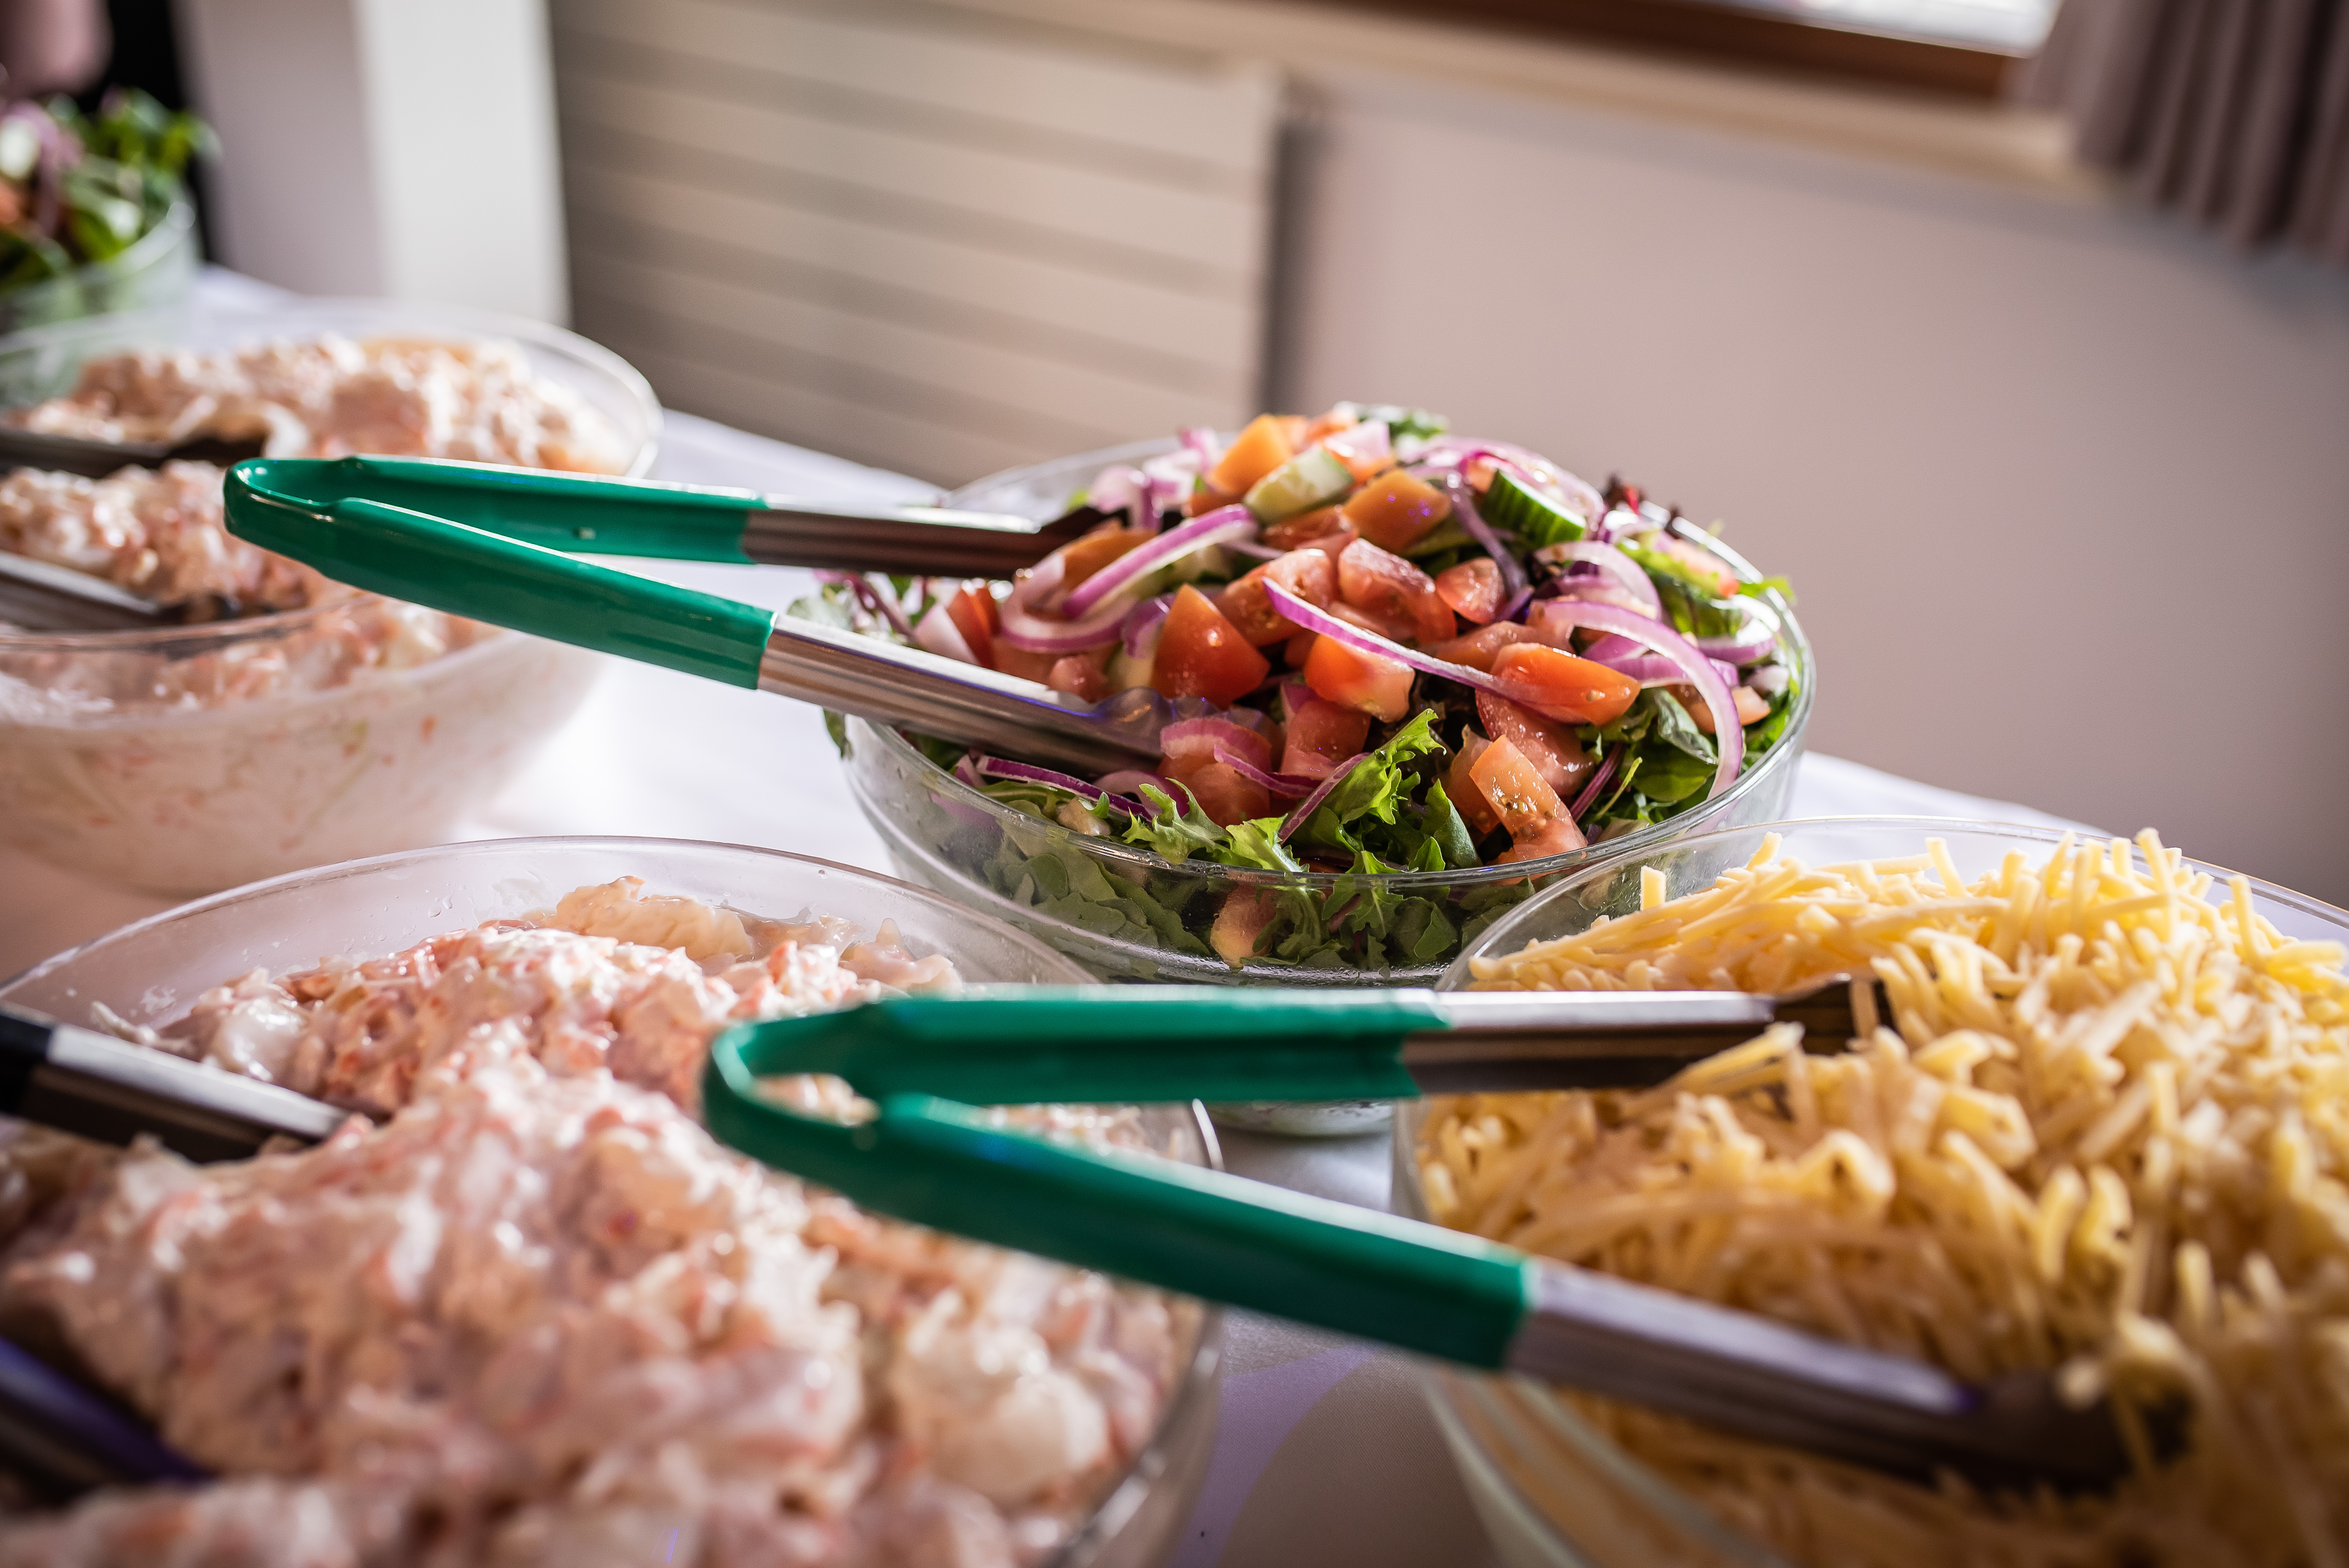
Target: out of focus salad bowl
(1126, 912)
(189, 758)
(1552, 1489)
(150, 972)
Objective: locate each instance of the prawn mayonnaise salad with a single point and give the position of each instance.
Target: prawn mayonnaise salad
(536, 1314)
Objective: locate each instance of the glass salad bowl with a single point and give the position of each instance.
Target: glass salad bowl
(151, 972)
(1126, 914)
(1551, 1489)
(183, 760)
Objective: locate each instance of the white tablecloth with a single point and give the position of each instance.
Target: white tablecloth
(1325, 1453)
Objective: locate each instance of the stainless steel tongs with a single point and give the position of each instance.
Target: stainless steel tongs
(491, 543)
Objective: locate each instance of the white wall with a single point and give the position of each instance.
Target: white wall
(2064, 491)
(401, 148)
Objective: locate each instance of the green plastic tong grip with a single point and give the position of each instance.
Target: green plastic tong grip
(1201, 1233)
(468, 571)
(1115, 1044)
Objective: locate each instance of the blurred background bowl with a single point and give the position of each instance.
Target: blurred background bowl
(151, 971)
(186, 760)
(1550, 1488)
(154, 272)
(946, 835)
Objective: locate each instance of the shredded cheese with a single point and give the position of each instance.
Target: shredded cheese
(2105, 1132)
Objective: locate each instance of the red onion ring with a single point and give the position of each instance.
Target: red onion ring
(1208, 527)
(1128, 782)
(1315, 619)
(1588, 796)
(1694, 667)
(1613, 563)
(1209, 736)
(1200, 439)
(1142, 622)
(1304, 809)
(1755, 638)
(1022, 628)
(1288, 786)
(1028, 773)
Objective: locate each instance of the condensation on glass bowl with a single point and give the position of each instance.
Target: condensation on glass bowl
(152, 970)
(1551, 1490)
(188, 758)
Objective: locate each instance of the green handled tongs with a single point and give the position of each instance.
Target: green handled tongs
(492, 543)
(1434, 1290)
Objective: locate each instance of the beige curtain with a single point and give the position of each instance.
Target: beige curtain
(2234, 112)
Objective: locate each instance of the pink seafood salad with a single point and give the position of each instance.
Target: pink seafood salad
(535, 1314)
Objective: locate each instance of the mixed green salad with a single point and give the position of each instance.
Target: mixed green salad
(77, 188)
(1389, 650)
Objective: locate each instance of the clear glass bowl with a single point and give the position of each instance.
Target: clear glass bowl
(186, 760)
(157, 270)
(1551, 1490)
(151, 972)
(946, 835)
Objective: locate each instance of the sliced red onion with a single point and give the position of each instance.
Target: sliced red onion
(1028, 773)
(1514, 589)
(1141, 625)
(1128, 781)
(1199, 439)
(1304, 809)
(1023, 628)
(1209, 737)
(1651, 671)
(1252, 550)
(1288, 786)
(966, 769)
(1613, 563)
(1315, 619)
(873, 599)
(1694, 667)
(1172, 476)
(1297, 693)
(1752, 641)
(1117, 489)
(1589, 797)
(1225, 522)
(1463, 452)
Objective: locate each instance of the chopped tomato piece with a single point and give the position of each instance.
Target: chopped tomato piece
(1479, 647)
(1317, 529)
(1200, 653)
(1392, 628)
(1309, 574)
(1294, 652)
(1752, 705)
(1028, 666)
(1207, 499)
(1082, 558)
(1460, 786)
(1238, 930)
(1254, 452)
(1368, 683)
(1395, 511)
(1080, 676)
(1472, 589)
(1223, 792)
(973, 613)
(1517, 793)
(1563, 686)
(1295, 429)
(1549, 745)
(1321, 736)
(1560, 836)
(1199, 747)
(1391, 588)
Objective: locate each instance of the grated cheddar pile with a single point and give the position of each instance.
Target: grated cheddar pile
(2108, 1133)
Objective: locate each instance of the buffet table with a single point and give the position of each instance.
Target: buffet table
(1325, 1451)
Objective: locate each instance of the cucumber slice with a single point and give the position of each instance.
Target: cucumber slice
(1309, 480)
(1531, 516)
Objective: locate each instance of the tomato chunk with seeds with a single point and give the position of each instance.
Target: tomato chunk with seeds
(1547, 744)
(1309, 574)
(1516, 793)
(1460, 786)
(1201, 654)
(1388, 586)
(1396, 510)
(1081, 675)
(1321, 736)
(1082, 558)
(1561, 685)
(1254, 452)
(1351, 677)
(973, 611)
(1225, 793)
(1323, 528)
(1560, 836)
(1472, 589)
(1479, 647)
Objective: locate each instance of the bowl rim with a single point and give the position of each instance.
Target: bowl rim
(450, 324)
(1624, 1468)
(340, 870)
